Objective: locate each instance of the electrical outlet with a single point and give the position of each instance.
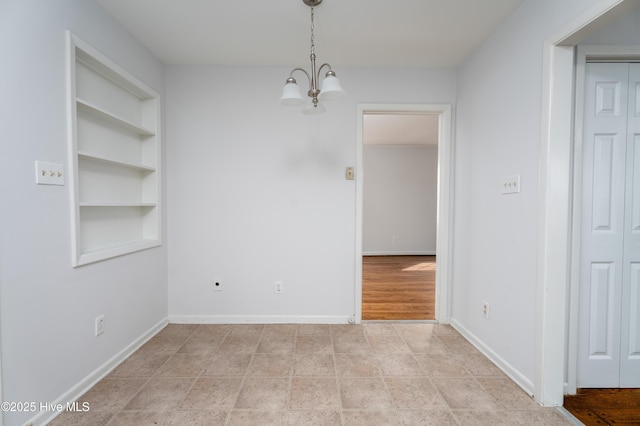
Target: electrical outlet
(279, 287)
(99, 325)
(485, 310)
(217, 284)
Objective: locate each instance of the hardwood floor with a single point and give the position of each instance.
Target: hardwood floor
(398, 287)
(605, 406)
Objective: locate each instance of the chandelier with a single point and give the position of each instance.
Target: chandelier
(330, 88)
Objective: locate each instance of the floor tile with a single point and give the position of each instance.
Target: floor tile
(370, 418)
(138, 418)
(314, 394)
(256, 418)
(162, 394)
(203, 342)
(164, 344)
(226, 365)
(270, 365)
(357, 365)
(437, 365)
(246, 329)
(178, 330)
(212, 394)
(278, 344)
(350, 344)
(426, 418)
(347, 329)
(465, 393)
(313, 418)
(304, 329)
(112, 394)
(316, 365)
(457, 344)
(140, 365)
(541, 417)
(415, 328)
(507, 394)
(399, 364)
(195, 418)
(280, 330)
(237, 343)
(314, 343)
(414, 393)
(424, 343)
(93, 418)
(483, 418)
(364, 394)
(379, 328)
(263, 394)
(183, 365)
(373, 374)
(478, 365)
(383, 343)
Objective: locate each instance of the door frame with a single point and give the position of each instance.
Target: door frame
(554, 347)
(444, 197)
(584, 54)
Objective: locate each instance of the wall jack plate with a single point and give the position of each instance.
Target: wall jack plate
(216, 284)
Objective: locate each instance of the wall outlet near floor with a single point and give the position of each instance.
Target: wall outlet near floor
(485, 309)
(217, 284)
(99, 325)
(279, 287)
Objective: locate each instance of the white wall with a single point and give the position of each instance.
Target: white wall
(47, 307)
(400, 200)
(498, 134)
(257, 192)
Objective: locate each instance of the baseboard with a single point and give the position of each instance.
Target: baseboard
(259, 319)
(399, 253)
(45, 417)
(508, 369)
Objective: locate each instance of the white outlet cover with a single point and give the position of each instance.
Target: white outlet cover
(99, 325)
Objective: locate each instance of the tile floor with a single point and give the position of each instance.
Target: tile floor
(304, 374)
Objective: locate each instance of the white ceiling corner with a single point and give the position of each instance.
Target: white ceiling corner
(349, 33)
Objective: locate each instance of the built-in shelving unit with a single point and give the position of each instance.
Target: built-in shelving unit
(115, 157)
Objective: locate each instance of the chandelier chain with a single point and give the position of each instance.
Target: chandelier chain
(313, 46)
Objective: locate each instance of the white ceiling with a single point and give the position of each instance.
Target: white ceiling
(349, 33)
(400, 129)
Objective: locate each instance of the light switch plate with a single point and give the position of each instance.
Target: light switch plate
(49, 173)
(511, 184)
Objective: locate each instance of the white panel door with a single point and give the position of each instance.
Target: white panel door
(630, 319)
(610, 250)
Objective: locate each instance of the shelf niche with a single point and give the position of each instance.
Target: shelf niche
(114, 155)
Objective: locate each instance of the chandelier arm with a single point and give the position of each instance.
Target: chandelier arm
(322, 66)
(305, 73)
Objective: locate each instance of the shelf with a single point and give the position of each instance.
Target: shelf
(115, 150)
(93, 204)
(85, 154)
(106, 115)
(100, 253)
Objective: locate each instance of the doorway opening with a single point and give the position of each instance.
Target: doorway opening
(400, 162)
(401, 250)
